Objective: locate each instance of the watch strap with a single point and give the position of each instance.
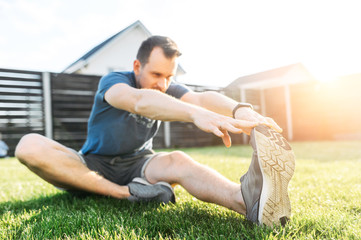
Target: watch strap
(240, 105)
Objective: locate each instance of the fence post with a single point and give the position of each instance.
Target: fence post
(167, 134)
(263, 102)
(47, 105)
(244, 99)
(288, 112)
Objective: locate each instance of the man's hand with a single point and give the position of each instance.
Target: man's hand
(220, 125)
(248, 114)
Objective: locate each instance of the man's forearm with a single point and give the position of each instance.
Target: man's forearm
(156, 105)
(218, 103)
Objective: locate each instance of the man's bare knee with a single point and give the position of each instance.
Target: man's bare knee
(170, 167)
(178, 157)
(29, 148)
(180, 162)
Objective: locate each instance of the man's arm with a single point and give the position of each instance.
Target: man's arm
(224, 105)
(157, 105)
(212, 101)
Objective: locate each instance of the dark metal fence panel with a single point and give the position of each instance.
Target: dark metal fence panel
(185, 134)
(158, 140)
(72, 100)
(21, 105)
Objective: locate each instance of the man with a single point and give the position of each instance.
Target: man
(117, 158)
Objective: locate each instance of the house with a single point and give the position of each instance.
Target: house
(269, 92)
(114, 54)
(306, 109)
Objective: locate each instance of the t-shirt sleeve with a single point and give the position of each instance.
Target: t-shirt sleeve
(111, 79)
(177, 90)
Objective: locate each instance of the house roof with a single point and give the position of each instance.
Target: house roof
(267, 78)
(82, 60)
(351, 77)
(101, 45)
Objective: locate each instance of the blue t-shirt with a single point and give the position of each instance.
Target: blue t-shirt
(116, 132)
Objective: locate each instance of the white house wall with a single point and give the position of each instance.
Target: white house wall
(119, 54)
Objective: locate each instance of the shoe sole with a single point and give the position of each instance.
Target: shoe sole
(277, 162)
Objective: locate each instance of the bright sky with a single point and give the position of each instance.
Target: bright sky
(221, 40)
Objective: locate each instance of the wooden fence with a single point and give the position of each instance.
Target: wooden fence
(21, 105)
(72, 100)
(58, 105)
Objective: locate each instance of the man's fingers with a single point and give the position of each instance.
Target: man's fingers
(226, 139)
(245, 124)
(237, 126)
(221, 128)
(250, 117)
(223, 133)
(230, 127)
(217, 132)
(273, 124)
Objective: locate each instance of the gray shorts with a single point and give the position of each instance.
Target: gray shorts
(116, 169)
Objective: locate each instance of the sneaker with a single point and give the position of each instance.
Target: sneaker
(142, 191)
(265, 185)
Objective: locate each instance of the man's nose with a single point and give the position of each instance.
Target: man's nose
(162, 84)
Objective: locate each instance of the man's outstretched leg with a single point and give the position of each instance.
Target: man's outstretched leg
(199, 180)
(265, 185)
(263, 197)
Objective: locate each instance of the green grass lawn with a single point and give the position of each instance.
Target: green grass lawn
(325, 193)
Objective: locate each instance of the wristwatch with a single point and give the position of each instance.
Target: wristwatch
(240, 105)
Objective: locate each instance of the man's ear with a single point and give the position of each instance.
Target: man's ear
(136, 66)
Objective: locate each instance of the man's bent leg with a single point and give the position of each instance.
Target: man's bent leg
(201, 181)
(61, 167)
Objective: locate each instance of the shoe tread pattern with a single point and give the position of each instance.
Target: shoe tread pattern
(278, 164)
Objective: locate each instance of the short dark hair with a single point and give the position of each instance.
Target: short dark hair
(170, 48)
